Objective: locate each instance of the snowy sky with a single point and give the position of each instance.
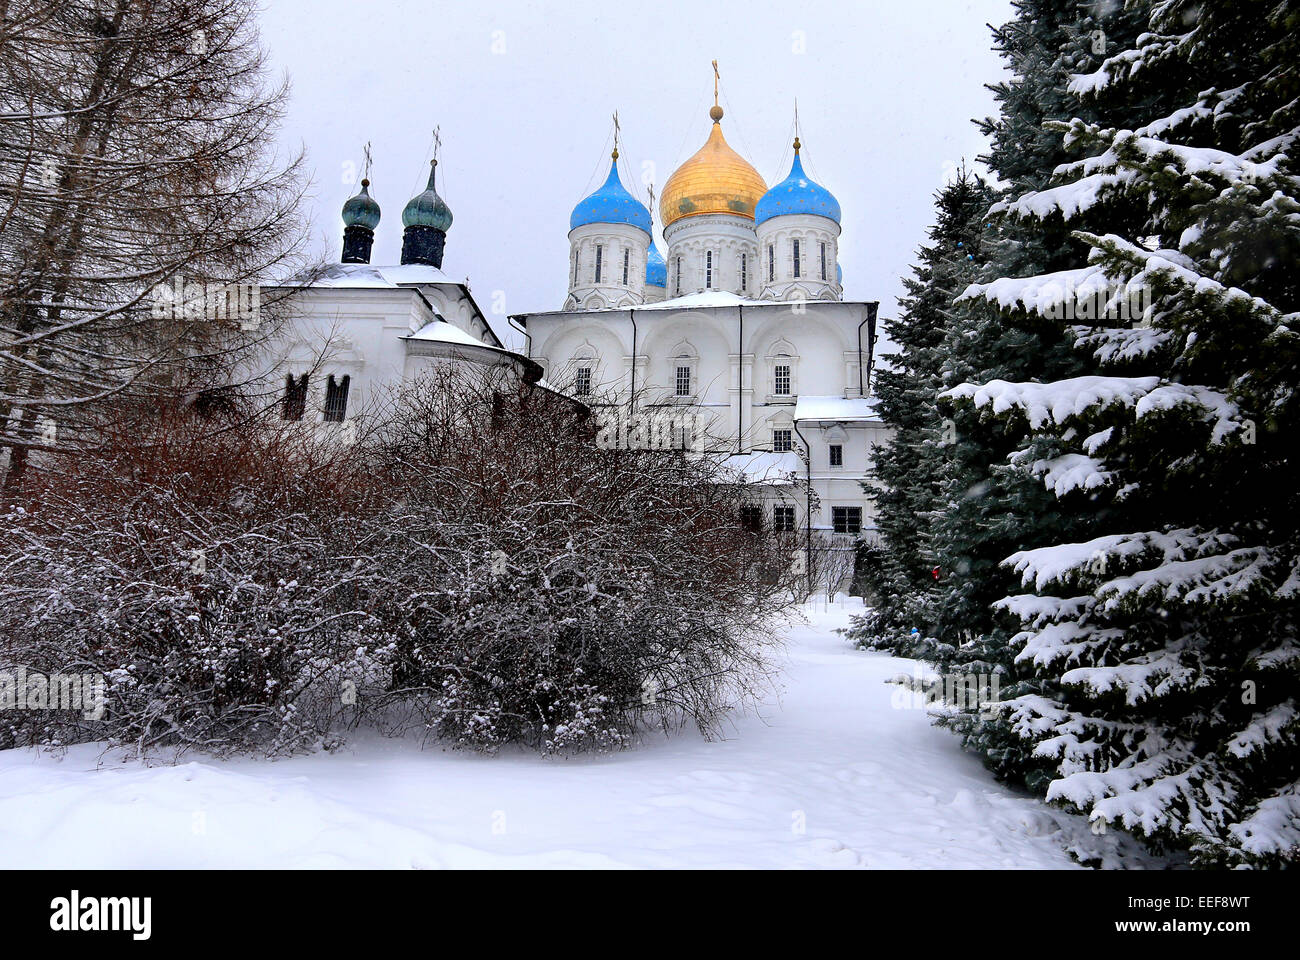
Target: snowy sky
(523, 92)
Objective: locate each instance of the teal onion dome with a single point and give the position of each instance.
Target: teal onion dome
(427, 209)
(656, 267)
(797, 194)
(361, 210)
(611, 204)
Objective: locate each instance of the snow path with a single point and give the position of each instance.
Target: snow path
(833, 776)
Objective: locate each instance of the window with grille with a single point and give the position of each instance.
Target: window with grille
(600, 255)
(782, 440)
(771, 262)
(679, 276)
(783, 519)
(782, 380)
(295, 397)
(336, 399)
(626, 255)
(796, 257)
(751, 518)
(823, 261)
(846, 519)
(708, 270)
(683, 381)
(744, 272)
(582, 382)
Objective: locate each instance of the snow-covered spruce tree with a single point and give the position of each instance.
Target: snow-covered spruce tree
(985, 511)
(907, 471)
(1164, 630)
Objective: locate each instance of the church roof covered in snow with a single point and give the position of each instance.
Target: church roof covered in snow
(835, 408)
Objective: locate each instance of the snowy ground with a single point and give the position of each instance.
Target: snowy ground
(831, 776)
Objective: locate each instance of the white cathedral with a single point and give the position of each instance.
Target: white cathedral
(743, 325)
(742, 330)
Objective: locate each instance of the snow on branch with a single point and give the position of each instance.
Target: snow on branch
(1058, 401)
(1055, 564)
(1054, 402)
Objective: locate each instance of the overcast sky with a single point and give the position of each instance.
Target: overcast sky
(523, 93)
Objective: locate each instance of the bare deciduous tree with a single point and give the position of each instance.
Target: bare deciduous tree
(135, 157)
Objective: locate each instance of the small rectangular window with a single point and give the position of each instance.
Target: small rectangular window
(683, 381)
(626, 259)
(744, 272)
(295, 397)
(582, 382)
(782, 441)
(708, 270)
(751, 518)
(796, 257)
(336, 399)
(679, 275)
(823, 261)
(837, 455)
(600, 253)
(771, 262)
(783, 519)
(846, 519)
(782, 380)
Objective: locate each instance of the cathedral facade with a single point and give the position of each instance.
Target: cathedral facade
(739, 335)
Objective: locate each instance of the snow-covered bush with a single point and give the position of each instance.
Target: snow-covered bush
(204, 574)
(547, 591)
(473, 565)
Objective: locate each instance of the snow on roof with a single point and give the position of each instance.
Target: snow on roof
(769, 468)
(368, 275)
(440, 331)
(835, 408)
(708, 298)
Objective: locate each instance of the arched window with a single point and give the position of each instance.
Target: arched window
(600, 251)
(626, 255)
(771, 262)
(708, 269)
(823, 246)
(684, 370)
(783, 371)
(796, 258)
(295, 397)
(678, 288)
(336, 399)
(744, 272)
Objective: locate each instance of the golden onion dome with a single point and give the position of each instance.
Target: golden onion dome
(715, 180)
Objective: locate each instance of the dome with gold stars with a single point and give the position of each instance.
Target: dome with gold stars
(715, 180)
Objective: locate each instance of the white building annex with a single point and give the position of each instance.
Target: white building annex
(360, 330)
(739, 337)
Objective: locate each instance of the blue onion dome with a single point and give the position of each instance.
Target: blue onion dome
(427, 209)
(611, 204)
(797, 194)
(839, 274)
(656, 268)
(361, 210)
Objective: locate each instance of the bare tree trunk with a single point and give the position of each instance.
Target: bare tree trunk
(134, 159)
